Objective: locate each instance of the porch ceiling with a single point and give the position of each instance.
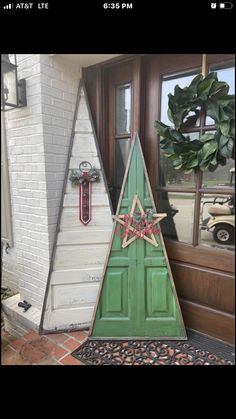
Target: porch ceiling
(85, 60)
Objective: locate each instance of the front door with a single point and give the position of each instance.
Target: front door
(203, 269)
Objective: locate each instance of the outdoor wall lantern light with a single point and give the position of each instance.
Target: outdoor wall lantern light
(13, 91)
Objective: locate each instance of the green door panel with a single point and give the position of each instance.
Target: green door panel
(137, 296)
(156, 292)
(115, 295)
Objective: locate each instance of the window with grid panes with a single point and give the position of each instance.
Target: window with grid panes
(188, 197)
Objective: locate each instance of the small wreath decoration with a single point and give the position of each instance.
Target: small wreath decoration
(211, 149)
(77, 177)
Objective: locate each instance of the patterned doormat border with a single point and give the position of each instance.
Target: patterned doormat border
(198, 350)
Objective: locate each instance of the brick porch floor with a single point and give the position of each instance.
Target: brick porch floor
(33, 349)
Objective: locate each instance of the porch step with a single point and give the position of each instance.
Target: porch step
(16, 321)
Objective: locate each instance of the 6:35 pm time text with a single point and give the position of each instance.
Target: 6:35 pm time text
(118, 6)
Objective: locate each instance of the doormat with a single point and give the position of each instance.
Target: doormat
(198, 350)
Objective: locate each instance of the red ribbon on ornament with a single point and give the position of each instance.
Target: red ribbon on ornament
(85, 200)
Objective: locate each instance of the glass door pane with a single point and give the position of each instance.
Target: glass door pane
(122, 148)
(217, 221)
(178, 225)
(123, 109)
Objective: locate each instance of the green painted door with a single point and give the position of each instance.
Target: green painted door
(137, 297)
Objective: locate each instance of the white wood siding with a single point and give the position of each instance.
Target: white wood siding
(80, 250)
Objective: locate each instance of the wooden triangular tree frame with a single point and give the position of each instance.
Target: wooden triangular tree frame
(111, 323)
(79, 316)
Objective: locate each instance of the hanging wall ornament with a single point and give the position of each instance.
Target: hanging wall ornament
(84, 177)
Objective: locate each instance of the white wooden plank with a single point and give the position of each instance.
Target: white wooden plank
(82, 110)
(82, 136)
(83, 125)
(81, 237)
(72, 200)
(75, 318)
(83, 144)
(98, 187)
(71, 276)
(93, 160)
(74, 296)
(100, 217)
(79, 256)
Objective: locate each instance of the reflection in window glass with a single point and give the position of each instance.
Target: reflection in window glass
(178, 225)
(223, 176)
(122, 148)
(227, 75)
(168, 87)
(10, 89)
(121, 156)
(170, 176)
(123, 109)
(217, 221)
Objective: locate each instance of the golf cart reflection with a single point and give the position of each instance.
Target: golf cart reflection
(221, 222)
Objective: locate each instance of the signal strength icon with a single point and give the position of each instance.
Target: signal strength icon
(8, 6)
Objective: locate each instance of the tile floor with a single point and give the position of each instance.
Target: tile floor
(56, 348)
(35, 349)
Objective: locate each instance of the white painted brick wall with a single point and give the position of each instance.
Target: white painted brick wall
(37, 138)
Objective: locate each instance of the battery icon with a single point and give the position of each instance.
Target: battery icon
(226, 5)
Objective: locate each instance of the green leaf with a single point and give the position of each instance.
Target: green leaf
(204, 86)
(180, 148)
(223, 141)
(209, 148)
(204, 165)
(181, 95)
(194, 83)
(232, 128)
(169, 114)
(213, 111)
(177, 162)
(161, 128)
(167, 146)
(207, 137)
(224, 116)
(219, 87)
(172, 104)
(177, 136)
(226, 152)
(230, 146)
(192, 163)
(195, 145)
(212, 167)
(225, 127)
(213, 160)
(178, 118)
(221, 160)
(222, 99)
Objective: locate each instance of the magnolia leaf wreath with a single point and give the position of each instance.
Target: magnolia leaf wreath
(211, 149)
